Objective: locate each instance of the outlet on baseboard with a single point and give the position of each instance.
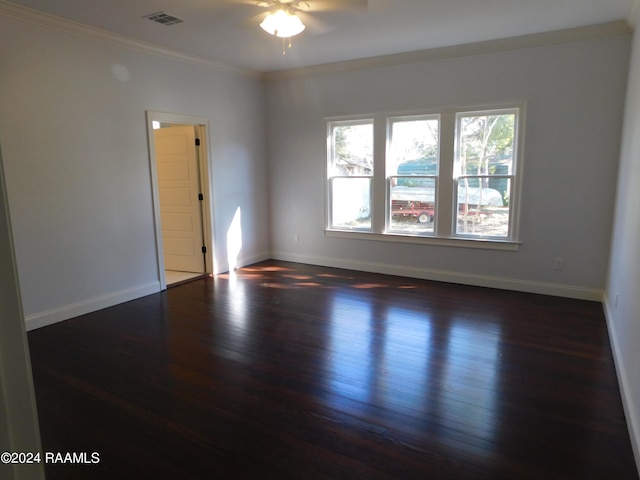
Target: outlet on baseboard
(558, 263)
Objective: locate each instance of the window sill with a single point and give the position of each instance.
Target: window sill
(478, 243)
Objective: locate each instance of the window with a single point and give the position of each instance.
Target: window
(484, 166)
(412, 174)
(351, 174)
(445, 177)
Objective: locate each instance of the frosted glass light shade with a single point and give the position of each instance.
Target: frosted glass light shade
(282, 24)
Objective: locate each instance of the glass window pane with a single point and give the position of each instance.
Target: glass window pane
(483, 210)
(413, 205)
(351, 200)
(485, 144)
(352, 150)
(414, 147)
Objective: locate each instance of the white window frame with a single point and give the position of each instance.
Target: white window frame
(331, 176)
(444, 233)
(514, 185)
(390, 175)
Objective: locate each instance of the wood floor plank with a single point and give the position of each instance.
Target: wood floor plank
(291, 371)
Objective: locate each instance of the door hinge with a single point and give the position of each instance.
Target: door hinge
(200, 196)
(197, 142)
(204, 249)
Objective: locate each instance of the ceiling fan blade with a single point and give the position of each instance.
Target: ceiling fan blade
(314, 25)
(253, 20)
(253, 3)
(333, 5)
(306, 5)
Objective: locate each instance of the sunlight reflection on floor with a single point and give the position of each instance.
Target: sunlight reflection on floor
(383, 358)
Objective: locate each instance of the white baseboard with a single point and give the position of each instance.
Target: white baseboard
(630, 408)
(55, 315)
(559, 290)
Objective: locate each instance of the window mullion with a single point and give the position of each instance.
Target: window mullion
(379, 187)
(444, 215)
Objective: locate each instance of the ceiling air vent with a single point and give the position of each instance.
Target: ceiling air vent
(163, 18)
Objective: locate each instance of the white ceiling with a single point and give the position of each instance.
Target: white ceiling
(227, 32)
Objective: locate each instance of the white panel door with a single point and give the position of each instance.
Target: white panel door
(179, 189)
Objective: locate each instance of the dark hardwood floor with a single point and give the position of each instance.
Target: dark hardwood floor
(289, 371)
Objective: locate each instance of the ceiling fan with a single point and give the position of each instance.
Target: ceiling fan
(288, 18)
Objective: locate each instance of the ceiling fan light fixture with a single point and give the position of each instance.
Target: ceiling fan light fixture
(282, 24)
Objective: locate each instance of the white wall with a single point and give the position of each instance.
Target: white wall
(622, 300)
(19, 430)
(76, 154)
(575, 94)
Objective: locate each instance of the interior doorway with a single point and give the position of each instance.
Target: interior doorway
(180, 174)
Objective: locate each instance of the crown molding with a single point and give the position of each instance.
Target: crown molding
(526, 41)
(54, 22)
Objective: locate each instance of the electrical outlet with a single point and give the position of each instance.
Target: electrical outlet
(558, 263)
(296, 238)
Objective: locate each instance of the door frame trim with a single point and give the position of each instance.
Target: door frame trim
(202, 127)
